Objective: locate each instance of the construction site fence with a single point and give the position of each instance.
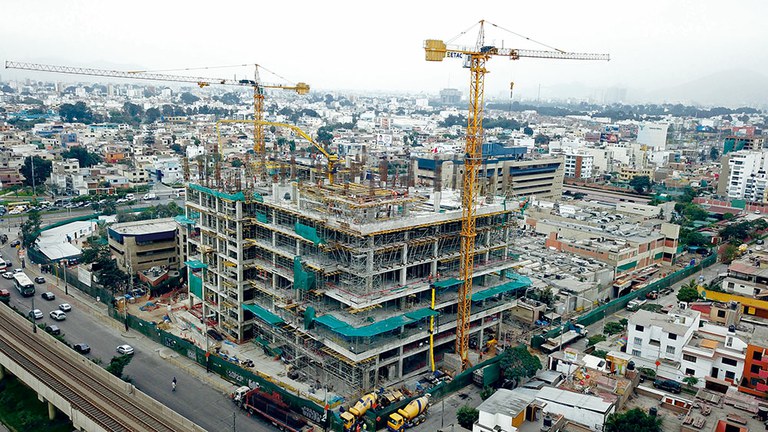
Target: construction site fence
(234, 373)
(620, 303)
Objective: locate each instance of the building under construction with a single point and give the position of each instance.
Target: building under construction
(345, 278)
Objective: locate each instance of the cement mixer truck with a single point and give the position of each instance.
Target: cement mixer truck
(410, 415)
(351, 416)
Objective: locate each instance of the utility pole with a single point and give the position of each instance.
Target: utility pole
(34, 323)
(66, 289)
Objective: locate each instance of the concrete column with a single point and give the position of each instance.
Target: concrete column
(51, 411)
(404, 271)
(369, 266)
(400, 363)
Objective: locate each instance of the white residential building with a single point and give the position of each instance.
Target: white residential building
(654, 336)
(715, 351)
(579, 165)
(746, 172)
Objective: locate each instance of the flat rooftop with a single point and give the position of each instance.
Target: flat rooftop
(145, 227)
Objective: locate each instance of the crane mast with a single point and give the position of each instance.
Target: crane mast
(475, 59)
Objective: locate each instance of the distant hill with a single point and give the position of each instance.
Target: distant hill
(731, 88)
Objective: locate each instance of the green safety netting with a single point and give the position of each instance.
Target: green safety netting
(331, 321)
(258, 197)
(445, 283)
(302, 279)
(520, 283)
(309, 317)
(261, 217)
(196, 264)
(263, 314)
(370, 330)
(421, 313)
(308, 233)
(183, 220)
(196, 285)
(240, 196)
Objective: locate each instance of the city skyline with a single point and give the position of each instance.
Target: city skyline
(660, 52)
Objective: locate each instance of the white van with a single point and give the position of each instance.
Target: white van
(130, 197)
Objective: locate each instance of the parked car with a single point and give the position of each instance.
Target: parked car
(36, 314)
(125, 349)
(668, 385)
(53, 329)
(653, 295)
(15, 243)
(48, 295)
(40, 280)
(8, 275)
(65, 307)
(58, 315)
(82, 348)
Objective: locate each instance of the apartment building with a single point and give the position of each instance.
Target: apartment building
(340, 277)
(743, 175)
(578, 165)
(655, 336)
(141, 245)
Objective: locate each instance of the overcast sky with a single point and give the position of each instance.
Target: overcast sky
(377, 46)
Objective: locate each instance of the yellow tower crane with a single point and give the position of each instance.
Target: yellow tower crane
(475, 59)
(258, 87)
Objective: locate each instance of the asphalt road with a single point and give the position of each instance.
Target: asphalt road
(194, 398)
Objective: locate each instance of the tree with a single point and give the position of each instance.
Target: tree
(634, 420)
(83, 156)
(466, 416)
(189, 98)
(689, 292)
(612, 327)
(42, 170)
(541, 139)
(595, 339)
(324, 135)
(78, 112)
(728, 253)
(600, 353)
(109, 208)
(518, 362)
(641, 184)
(151, 115)
(714, 153)
(652, 307)
(177, 148)
(236, 163)
(528, 131)
(118, 364)
(30, 229)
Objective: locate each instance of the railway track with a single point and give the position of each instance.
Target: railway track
(106, 405)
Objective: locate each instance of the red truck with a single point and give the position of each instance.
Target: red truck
(271, 407)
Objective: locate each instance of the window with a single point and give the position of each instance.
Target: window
(757, 355)
(689, 371)
(639, 327)
(638, 341)
(730, 375)
(672, 336)
(721, 314)
(636, 353)
(671, 350)
(690, 358)
(755, 369)
(729, 362)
